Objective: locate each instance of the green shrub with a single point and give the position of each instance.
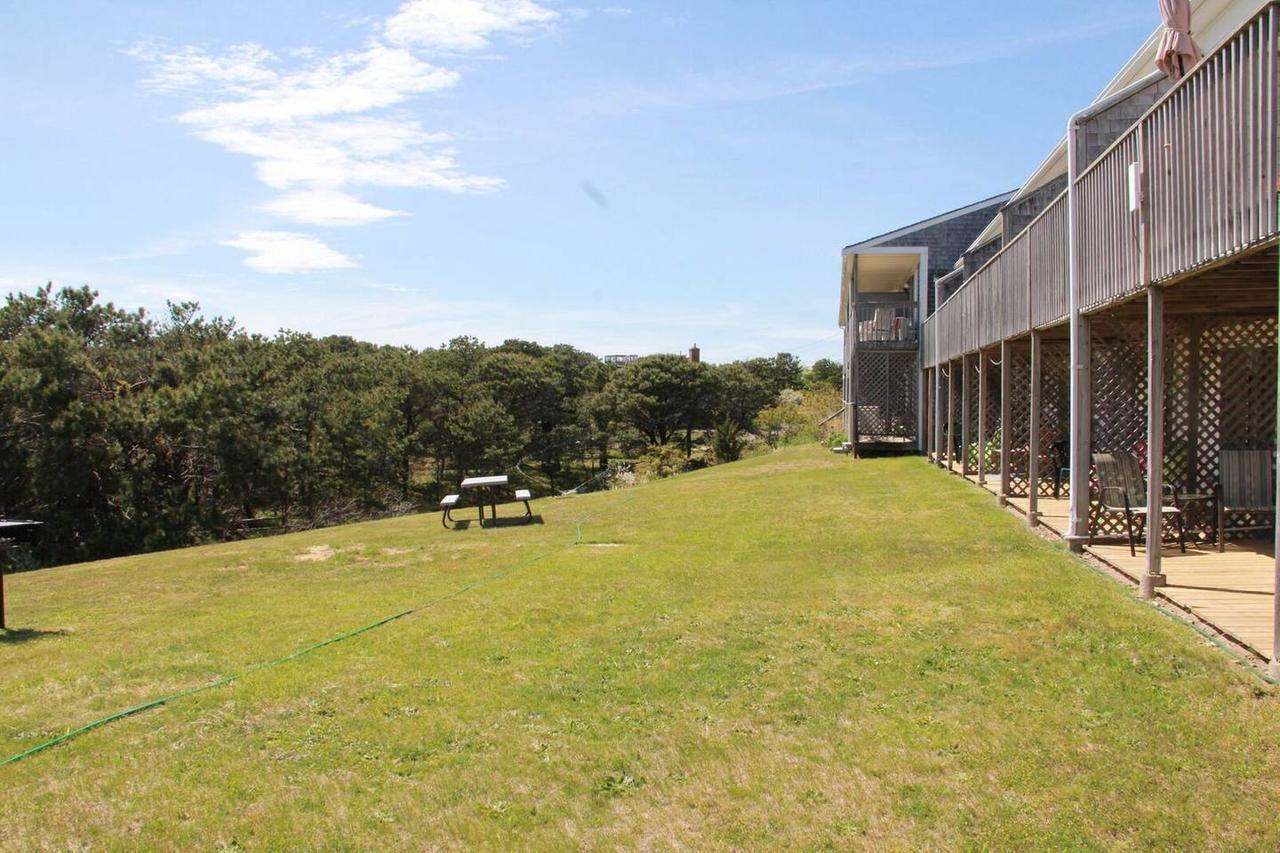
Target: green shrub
(660, 462)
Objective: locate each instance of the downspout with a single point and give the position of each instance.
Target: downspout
(1081, 405)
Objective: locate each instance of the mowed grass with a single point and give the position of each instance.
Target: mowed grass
(798, 650)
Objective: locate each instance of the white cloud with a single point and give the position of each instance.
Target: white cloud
(326, 207)
(317, 125)
(464, 25)
(287, 252)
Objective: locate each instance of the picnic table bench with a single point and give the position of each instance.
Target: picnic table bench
(489, 488)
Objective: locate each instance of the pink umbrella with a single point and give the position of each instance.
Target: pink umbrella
(1178, 50)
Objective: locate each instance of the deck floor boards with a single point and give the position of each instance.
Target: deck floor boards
(1233, 591)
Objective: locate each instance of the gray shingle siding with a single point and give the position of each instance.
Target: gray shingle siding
(947, 241)
(1021, 214)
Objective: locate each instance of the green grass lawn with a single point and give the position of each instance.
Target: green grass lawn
(797, 650)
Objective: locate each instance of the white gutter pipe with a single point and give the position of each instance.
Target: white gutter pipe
(1081, 405)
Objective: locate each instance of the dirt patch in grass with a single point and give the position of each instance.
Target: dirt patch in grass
(315, 554)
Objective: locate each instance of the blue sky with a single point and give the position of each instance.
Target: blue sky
(622, 176)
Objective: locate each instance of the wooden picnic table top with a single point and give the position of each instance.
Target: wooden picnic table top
(486, 482)
(17, 524)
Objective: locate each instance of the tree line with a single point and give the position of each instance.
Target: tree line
(126, 433)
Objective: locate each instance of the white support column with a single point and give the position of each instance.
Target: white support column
(1154, 578)
(982, 417)
(1081, 461)
(1080, 380)
(1033, 445)
(1006, 415)
(965, 436)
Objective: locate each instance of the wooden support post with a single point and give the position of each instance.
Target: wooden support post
(938, 435)
(1081, 431)
(930, 405)
(1006, 415)
(1154, 578)
(951, 415)
(1275, 582)
(965, 437)
(1033, 445)
(935, 443)
(982, 417)
(926, 420)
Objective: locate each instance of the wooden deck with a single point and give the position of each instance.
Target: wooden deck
(1232, 591)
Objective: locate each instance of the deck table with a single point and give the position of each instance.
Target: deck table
(487, 488)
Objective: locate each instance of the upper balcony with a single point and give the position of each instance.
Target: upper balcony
(887, 325)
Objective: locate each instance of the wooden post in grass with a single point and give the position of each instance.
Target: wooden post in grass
(1033, 445)
(1154, 578)
(982, 418)
(951, 415)
(937, 414)
(1006, 413)
(965, 437)
(1275, 581)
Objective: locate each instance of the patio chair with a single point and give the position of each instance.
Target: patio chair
(1123, 491)
(1060, 461)
(882, 325)
(1245, 484)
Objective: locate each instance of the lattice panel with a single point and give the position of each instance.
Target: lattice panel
(1055, 419)
(971, 451)
(1236, 396)
(992, 454)
(1120, 388)
(887, 394)
(1119, 399)
(1019, 418)
(949, 404)
(1179, 448)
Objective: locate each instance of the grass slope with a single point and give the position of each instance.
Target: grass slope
(797, 648)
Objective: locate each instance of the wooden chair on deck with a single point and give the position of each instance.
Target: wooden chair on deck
(1123, 491)
(1246, 484)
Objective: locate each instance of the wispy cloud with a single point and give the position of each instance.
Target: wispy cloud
(464, 25)
(286, 252)
(319, 126)
(326, 207)
(801, 74)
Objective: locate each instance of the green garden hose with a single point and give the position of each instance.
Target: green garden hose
(302, 652)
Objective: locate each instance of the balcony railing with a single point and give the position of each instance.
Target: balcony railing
(1207, 156)
(887, 325)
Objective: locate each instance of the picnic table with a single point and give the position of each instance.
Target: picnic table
(487, 487)
(9, 530)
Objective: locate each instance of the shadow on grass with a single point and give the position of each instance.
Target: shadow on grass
(516, 521)
(27, 635)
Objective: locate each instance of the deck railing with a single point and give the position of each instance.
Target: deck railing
(1206, 159)
(1050, 296)
(1106, 228)
(1210, 151)
(887, 325)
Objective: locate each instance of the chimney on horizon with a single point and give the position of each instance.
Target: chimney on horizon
(695, 354)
